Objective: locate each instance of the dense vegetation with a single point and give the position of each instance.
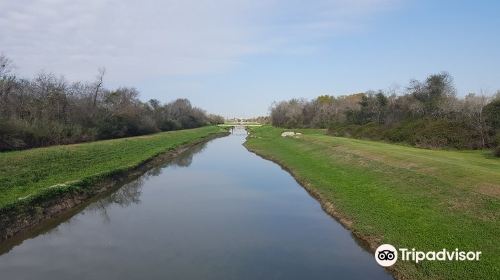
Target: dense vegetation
(48, 110)
(428, 114)
(259, 120)
(404, 196)
(29, 174)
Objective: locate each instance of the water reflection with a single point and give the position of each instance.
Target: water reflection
(216, 212)
(182, 160)
(124, 196)
(130, 193)
(185, 159)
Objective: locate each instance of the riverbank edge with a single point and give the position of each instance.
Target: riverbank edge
(365, 241)
(24, 216)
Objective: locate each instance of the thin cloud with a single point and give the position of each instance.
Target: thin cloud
(138, 39)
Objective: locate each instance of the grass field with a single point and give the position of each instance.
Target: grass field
(27, 174)
(404, 196)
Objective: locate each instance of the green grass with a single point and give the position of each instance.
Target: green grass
(405, 196)
(29, 174)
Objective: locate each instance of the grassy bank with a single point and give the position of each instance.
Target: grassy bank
(408, 197)
(31, 174)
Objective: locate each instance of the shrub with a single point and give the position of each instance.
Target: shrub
(492, 114)
(11, 135)
(496, 152)
(428, 133)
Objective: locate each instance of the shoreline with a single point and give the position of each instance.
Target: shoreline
(389, 194)
(24, 217)
(328, 207)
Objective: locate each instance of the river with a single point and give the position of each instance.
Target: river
(215, 212)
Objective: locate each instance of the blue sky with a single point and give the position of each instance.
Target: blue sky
(237, 57)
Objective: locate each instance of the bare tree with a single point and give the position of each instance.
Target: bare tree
(98, 85)
(49, 110)
(5, 66)
(6, 83)
(473, 111)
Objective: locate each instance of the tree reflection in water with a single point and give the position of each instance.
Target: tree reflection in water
(130, 193)
(182, 160)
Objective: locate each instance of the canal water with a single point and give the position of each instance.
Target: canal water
(216, 212)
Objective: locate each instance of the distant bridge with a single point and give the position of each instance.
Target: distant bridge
(241, 124)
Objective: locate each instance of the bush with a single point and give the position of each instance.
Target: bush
(496, 152)
(47, 110)
(492, 114)
(373, 131)
(168, 124)
(428, 133)
(434, 133)
(12, 135)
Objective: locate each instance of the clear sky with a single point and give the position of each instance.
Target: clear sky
(235, 57)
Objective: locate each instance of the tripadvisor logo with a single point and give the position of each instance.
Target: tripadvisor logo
(387, 255)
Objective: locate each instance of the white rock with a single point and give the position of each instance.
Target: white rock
(287, 134)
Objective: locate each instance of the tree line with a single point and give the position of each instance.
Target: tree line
(428, 114)
(49, 110)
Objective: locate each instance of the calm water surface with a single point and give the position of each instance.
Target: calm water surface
(216, 212)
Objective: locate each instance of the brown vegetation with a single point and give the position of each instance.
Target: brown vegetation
(428, 114)
(49, 110)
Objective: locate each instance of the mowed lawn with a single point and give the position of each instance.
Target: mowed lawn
(404, 196)
(26, 174)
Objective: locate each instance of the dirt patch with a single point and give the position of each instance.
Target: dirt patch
(489, 189)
